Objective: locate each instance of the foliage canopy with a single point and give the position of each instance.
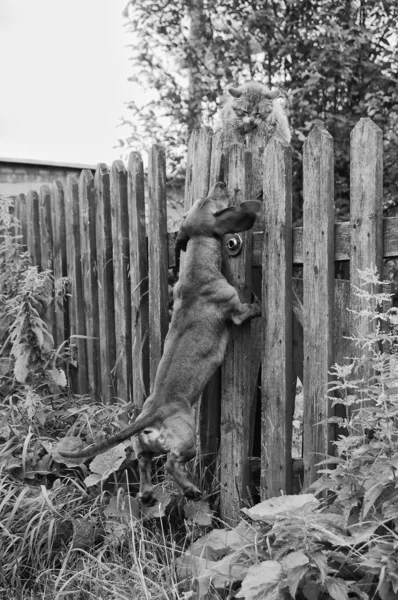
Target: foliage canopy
(337, 59)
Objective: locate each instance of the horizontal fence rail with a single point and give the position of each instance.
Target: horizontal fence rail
(106, 241)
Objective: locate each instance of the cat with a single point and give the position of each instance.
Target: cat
(253, 103)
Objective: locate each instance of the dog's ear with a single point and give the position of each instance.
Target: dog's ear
(237, 218)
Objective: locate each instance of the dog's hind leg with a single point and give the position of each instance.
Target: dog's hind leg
(146, 488)
(174, 467)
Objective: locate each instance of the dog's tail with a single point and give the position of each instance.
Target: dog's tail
(122, 435)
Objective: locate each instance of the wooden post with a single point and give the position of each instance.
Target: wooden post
(121, 253)
(157, 258)
(276, 381)
(235, 371)
(47, 252)
(77, 319)
(23, 222)
(88, 246)
(59, 263)
(106, 303)
(198, 165)
(318, 276)
(138, 280)
(33, 227)
(366, 216)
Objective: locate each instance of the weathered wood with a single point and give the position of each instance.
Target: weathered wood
(318, 303)
(197, 186)
(157, 258)
(47, 252)
(198, 165)
(17, 229)
(235, 373)
(33, 220)
(138, 280)
(121, 254)
(256, 142)
(106, 302)
(23, 222)
(342, 241)
(88, 246)
(77, 321)
(366, 205)
(59, 263)
(276, 384)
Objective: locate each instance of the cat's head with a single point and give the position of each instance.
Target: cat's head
(252, 104)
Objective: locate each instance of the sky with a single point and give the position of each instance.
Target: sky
(64, 87)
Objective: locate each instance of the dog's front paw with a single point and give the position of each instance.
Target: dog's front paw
(193, 494)
(147, 499)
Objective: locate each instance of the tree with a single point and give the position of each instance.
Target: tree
(337, 59)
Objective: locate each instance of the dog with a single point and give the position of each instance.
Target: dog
(205, 308)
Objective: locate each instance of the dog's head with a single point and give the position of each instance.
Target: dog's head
(213, 217)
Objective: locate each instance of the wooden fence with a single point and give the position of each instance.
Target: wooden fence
(95, 231)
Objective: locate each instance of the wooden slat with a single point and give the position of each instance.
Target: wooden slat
(366, 206)
(106, 303)
(276, 381)
(33, 227)
(235, 372)
(47, 251)
(23, 222)
(121, 253)
(138, 280)
(59, 262)
(342, 241)
(77, 321)
(157, 258)
(198, 165)
(17, 215)
(207, 409)
(256, 142)
(90, 283)
(318, 302)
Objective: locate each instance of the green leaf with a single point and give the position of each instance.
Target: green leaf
(260, 580)
(271, 509)
(198, 512)
(337, 588)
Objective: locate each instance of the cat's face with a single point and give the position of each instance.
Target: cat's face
(251, 106)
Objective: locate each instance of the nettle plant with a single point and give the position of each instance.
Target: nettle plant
(339, 541)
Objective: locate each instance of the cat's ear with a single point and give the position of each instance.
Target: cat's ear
(235, 92)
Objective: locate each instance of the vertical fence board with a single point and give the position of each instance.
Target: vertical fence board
(47, 251)
(17, 215)
(366, 215)
(235, 373)
(276, 384)
(88, 246)
(197, 186)
(198, 165)
(318, 276)
(77, 321)
(106, 303)
(157, 258)
(23, 221)
(33, 221)
(138, 280)
(60, 263)
(121, 253)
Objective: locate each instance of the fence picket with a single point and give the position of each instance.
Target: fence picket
(106, 304)
(88, 247)
(138, 280)
(33, 218)
(157, 258)
(47, 251)
(276, 385)
(23, 221)
(366, 216)
(60, 262)
(235, 371)
(121, 253)
(318, 303)
(77, 320)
